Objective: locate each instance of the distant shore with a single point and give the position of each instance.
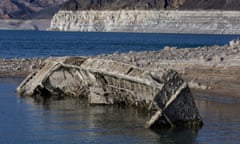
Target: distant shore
(31, 24)
(212, 70)
(150, 21)
(142, 21)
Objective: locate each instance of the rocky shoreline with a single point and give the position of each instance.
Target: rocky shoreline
(18, 67)
(211, 70)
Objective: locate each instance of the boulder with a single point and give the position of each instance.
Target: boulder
(163, 93)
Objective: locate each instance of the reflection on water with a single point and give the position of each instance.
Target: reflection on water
(23, 120)
(177, 135)
(98, 124)
(222, 122)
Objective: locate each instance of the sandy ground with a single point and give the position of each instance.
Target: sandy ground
(210, 71)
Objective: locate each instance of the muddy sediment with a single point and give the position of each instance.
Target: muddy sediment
(212, 70)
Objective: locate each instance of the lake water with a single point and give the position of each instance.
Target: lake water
(24, 120)
(43, 43)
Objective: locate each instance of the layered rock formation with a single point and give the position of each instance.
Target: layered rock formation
(107, 82)
(149, 16)
(45, 9)
(208, 22)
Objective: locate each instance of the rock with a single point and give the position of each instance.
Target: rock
(167, 48)
(151, 5)
(28, 9)
(116, 53)
(162, 92)
(234, 43)
(196, 85)
(153, 21)
(219, 58)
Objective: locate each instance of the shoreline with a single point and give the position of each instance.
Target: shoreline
(210, 70)
(151, 21)
(224, 22)
(29, 24)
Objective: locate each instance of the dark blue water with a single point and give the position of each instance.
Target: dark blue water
(43, 44)
(24, 120)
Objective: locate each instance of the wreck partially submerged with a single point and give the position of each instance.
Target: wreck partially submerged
(163, 93)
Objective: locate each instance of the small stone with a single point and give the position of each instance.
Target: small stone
(116, 53)
(234, 43)
(167, 48)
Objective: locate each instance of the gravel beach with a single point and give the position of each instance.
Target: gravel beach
(210, 70)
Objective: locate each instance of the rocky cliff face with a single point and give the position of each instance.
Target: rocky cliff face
(149, 16)
(151, 4)
(28, 9)
(210, 4)
(112, 4)
(214, 22)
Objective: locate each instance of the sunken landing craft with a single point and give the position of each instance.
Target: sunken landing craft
(163, 93)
